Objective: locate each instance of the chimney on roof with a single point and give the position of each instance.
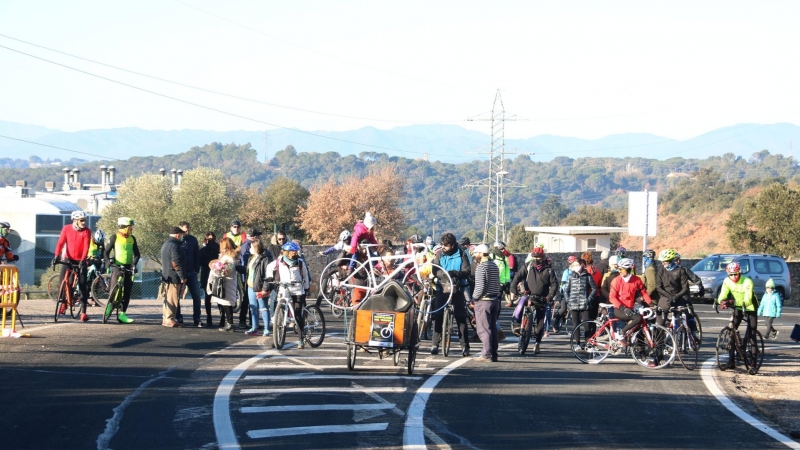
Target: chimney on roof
(111, 171)
(174, 176)
(76, 177)
(22, 183)
(103, 177)
(49, 186)
(180, 176)
(162, 171)
(66, 186)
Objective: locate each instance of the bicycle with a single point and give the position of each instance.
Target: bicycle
(69, 294)
(447, 328)
(527, 324)
(425, 316)
(340, 296)
(98, 282)
(115, 299)
(314, 329)
(646, 341)
(409, 267)
(750, 350)
(687, 342)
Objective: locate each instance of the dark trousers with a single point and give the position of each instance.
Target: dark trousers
(245, 306)
(298, 303)
(203, 283)
(750, 316)
(226, 315)
(459, 304)
(83, 286)
(538, 332)
(127, 285)
(577, 318)
(193, 285)
(631, 321)
(486, 314)
(770, 328)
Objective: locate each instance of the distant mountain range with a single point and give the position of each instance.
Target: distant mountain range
(449, 143)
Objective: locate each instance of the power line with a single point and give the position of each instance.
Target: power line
(210, 91)
(226, 112)
(61, 148)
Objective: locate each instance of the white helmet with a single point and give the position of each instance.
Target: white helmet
(613, 260)
(99, 236)
(344, 235)
(481, 248)
(625, 263)
(78, 215)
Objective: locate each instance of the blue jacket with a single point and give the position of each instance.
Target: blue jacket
(770, 305)
(456, 264)
(191, 253)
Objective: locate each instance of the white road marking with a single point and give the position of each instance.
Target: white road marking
(413, 432)
(306, 357)
(112, 424)
(292, 408)
(223, 426)
(28, 330)
(305, 376)
(275, 432)
(321, 389)
(336, 366)
(708, 379)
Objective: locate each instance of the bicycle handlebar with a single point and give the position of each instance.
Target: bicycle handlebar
(123, 268)
(647, 313)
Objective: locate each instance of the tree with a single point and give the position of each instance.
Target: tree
(333, 207)
(592, 216)
(519, 240)
(147, 199)
(766, 223)
(552, 211)
(207, 199)
(277, 205)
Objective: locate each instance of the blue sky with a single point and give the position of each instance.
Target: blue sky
(582, 69)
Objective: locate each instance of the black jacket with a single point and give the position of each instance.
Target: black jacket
(208, 253)
(172, 262)
(580, 291)
(260, 270)
(671, 285)
(191, 253)
(539, 283)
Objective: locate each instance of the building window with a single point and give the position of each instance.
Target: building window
(49, 224)
(556, 245)
(591, 245)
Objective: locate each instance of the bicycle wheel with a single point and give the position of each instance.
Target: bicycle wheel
(525, 331)
(594, 349)
(447, 330)
(52, 287)
(412, 349)
(100, 289)
(396, 357)
(112, 303)
(315, 326)
(329, 278)
(351, 345)
(279, 326)
(61, 301)
(75, 304)
(422, 318)
(654, 348)
(699, 327)
(688, 348)
(754, 351)
(723, 348)
(339, 303)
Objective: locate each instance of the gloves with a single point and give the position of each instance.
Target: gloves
(307, 291)
(454, 274)
(55, 262)
(16, 258)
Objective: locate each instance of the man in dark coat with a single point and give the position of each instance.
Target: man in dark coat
(208, 253)
(173, 276)
(191, 253)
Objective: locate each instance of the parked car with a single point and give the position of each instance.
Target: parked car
(758, 267)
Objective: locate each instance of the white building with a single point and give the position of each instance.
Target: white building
(575, 238)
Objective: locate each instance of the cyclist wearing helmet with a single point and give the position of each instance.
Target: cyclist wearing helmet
(73, 248)
(342, 246)
(672, 284)
(126, 254)
(5, 246)
(624, 290)
(540, 280)
(289, 268)
(499, 257)
(741, 287)
(650, 271)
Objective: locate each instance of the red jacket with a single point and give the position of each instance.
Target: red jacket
(596, 275)
(360, 231)
(623, 293)
(5, 249)
(77, 243)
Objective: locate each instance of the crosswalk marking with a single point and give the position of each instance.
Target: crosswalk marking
(293, 408)
(305, 376)
(336, 366)
(322, 389)
(275, 432)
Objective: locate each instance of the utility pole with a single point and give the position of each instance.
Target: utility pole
(494, 228)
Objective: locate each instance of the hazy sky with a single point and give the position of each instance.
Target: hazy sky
(582, 69)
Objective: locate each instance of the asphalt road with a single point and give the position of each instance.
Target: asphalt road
(74, 385)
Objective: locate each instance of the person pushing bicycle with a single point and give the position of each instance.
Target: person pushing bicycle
(288, 268)
(126, 255)
(72, 248)
(744, 302)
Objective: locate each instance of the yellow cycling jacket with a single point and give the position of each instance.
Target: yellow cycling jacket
(742, 293)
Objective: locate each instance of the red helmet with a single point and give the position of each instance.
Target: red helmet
(572, 259)
(733, 268)
(537, 251)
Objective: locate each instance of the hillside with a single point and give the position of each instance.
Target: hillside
(692, 236)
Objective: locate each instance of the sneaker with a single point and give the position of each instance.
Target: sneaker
(546, 334)
(775, 335)
(123, 318)
(651, 362)
(481, 359)
(201, 325)
(435, 351)
(301, 344)
(465, 353)
(251, 332)
(578, 348)
(84, 317)
(515, 329)
(536, 350)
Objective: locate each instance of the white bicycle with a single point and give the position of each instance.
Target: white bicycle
(314, 329)
(413, 273)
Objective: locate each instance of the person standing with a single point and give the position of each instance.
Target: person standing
(126, 255)
(73, 247)
(256, 265)
(579, 294)
(225, 268)
(191, 251)
(290, 269)
(453, 260)
(208, 253)
(276, 242)
(486, 302)
(541, 281)
(770, 308)
(173, 277)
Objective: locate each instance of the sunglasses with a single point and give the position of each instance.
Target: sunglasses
(731, 275)
(281, 239)
(81, 220)
(234, 226)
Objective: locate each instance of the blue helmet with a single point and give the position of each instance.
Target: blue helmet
(290, 247)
